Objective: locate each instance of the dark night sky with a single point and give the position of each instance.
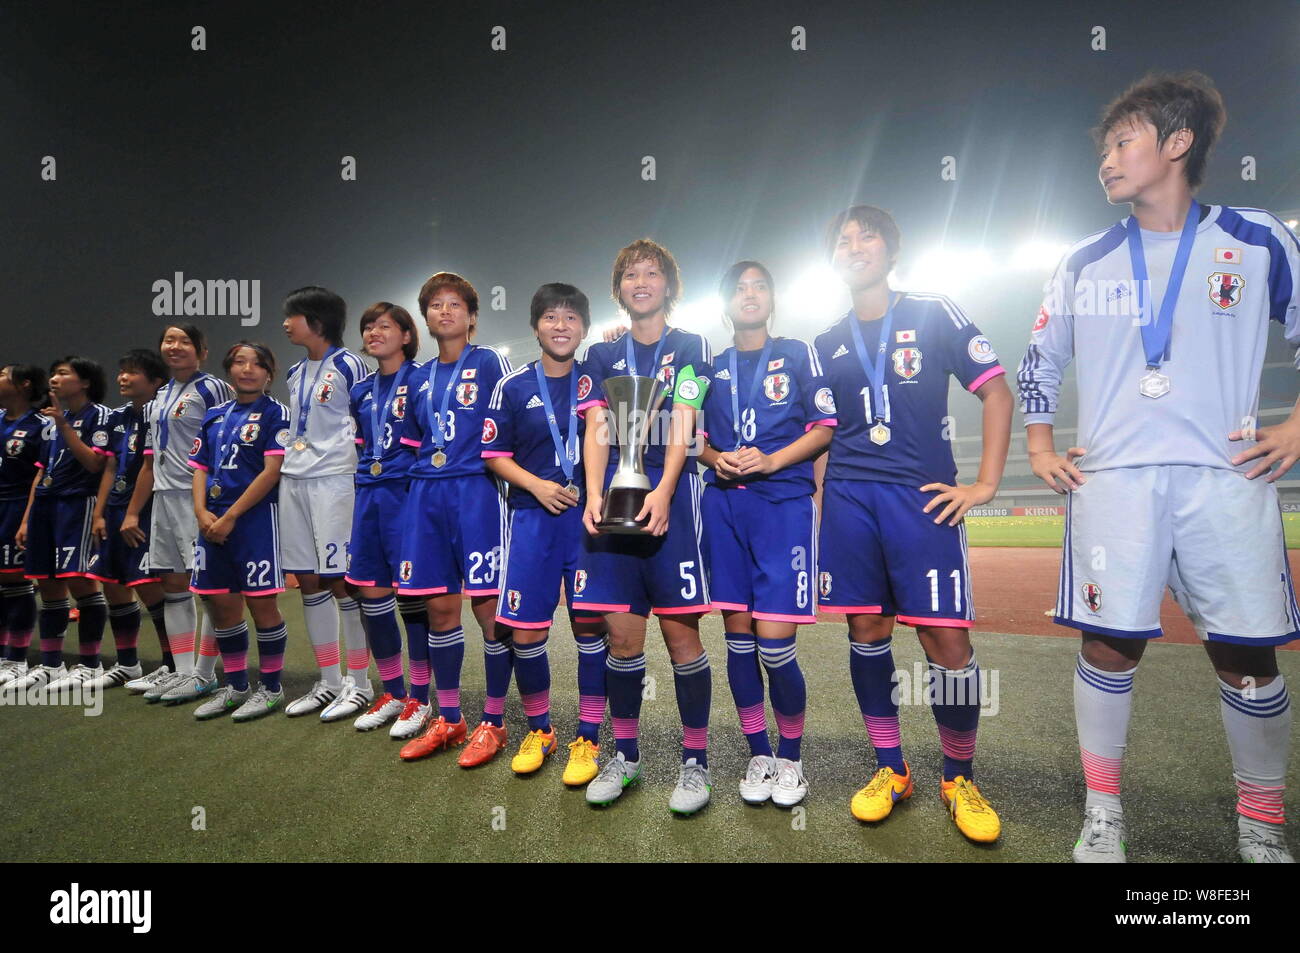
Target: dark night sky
(521, 167)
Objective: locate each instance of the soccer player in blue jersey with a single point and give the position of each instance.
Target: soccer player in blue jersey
(661, 571)
(318, 490)
(56, 529)
(23, 389)
(236, 459)
(1165, 316)
(164, 485)
(451, 541)
(379, 408)
(122, 566)
(893, 543)
(769, 413)
(532, 440)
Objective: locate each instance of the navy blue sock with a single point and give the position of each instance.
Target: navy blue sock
(533, 673)
(954, 696)
(160, 628)
(789, 693)
(871, 665)
(54, 626)
(446, 656)
(694, 683)
(415, 617)
(93, 613)
(233, 643)
(271, 644)
(746, 681)
(124, 620)
(592, 650)
(380, 619)
(21, 601)
(623, 678)
(498, 664)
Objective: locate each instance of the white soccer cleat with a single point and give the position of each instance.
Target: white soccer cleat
(164, 685)
(617, 774)
(76, 678)
(756, 786)
(413, 719)
(1259, 842)
(384, 710)
(138, 686)
(316, 699)
(115, 676)
(12, 672)
(260, 704)
(1102, 839)
(186, 688)
(790, 786)
(692, 791)
(352, 700)
(223, 701)
(36, 678)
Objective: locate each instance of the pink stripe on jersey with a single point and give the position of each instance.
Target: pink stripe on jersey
(625, 727)
(958, 745)
(1260, 802)
(420, 672)
(602, 607)
(777, 617)
(915, 620)
(390, 668)
(850, 610)
(449, 698)
(102, 453)
(197, 466)
(489, 454)
(516, 624)
(208, 646)
(824, 422)
(683, 610)
(491, 705)
(235, 661)
(358, 659)
(326, 654)
(730, 607)
(790, 726)
(406, 591)
(358, 582)
(273, 453)
(882, 730)
(182, 643)
(1101, 774)
(482, 592)
(591, 708)
(696, 738)
(270, 664)
(753, 718)
(538, 703)
(988, 375)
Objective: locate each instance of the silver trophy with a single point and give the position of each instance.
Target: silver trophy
(633, 405)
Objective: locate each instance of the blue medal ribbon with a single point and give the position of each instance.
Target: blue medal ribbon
(760, 369)
(377, 449)
(169, 404)
(631, 354)
(1156, 333)
(126, 442)
(875, 373)
(567, 449)
(436, 421)
(304, 406)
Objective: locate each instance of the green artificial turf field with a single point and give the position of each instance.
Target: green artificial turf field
(1048, 530)
(125, 785)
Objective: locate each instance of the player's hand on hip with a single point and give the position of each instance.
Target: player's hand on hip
(1050, 467)
(131, 532)
(728, 465)
(1279, 444)
(591, 514)
(555, 498)
(655, 509)
(753, 460)
(956, 500)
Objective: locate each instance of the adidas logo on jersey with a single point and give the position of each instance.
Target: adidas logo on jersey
(533, 401)
(722, 375)
(619, 365)
(840, 352)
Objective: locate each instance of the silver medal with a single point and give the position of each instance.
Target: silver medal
(1153, 384)
(572, 489)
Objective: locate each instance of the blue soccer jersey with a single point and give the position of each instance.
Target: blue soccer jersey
(21, 442)
(676, 350)
(461, 428)
(63, 474)
(778, 403)
(126, 427)
(383, 400)
(929, 340)
(232, 446)
(516, 426)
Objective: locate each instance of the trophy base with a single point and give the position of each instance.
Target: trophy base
(622, 504)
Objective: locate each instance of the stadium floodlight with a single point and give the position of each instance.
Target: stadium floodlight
(1038, 255)
(1291, 223)
(946, 269)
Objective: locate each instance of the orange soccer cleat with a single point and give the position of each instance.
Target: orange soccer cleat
(440, 734)
(483, 746)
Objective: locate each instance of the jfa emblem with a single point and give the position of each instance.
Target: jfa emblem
(907, 362)
(1092, 596)
(579, 581)
(404, 570)
(512, 600)
(776, 387)
(667, 373)
(584, 386)
(248, 433)
(13, 447)
(466, 393)
(399, 407)
(824, 584)
(1225, 289)
(130, 442)
(324, 392)
(179, 410)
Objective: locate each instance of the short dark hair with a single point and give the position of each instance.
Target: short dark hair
(871, 219)
(88, 371)
(727, 286)
(326, 312)
(144, 361)
(559, 295)
(647, 249)
(36, 381)
(443, 280)
(265, 359)
(1170, 102)
(401, 317)
(192, 331)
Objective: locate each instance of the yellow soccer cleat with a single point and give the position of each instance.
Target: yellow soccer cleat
(582, 767)
(877, 799)
(537, 745)
(973, 815)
